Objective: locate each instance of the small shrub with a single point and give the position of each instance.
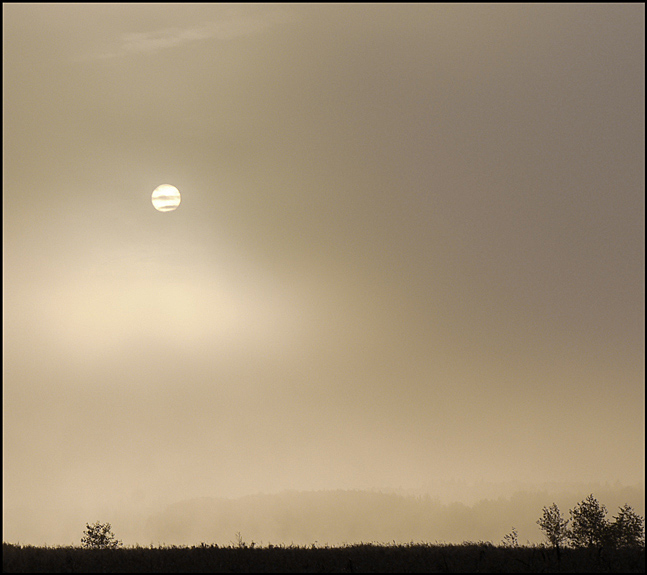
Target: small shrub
(511, 539)
(99, 536)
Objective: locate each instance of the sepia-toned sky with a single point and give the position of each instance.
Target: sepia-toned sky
(410, 248)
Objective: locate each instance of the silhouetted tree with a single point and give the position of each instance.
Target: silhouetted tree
(554, 526)
(99, 536)
(628, 529)
(589, 527)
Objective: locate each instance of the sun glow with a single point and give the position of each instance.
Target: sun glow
(166, 198)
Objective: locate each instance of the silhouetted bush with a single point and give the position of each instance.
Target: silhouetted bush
(99, 536)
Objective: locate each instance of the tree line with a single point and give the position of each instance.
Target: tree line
(589, 526)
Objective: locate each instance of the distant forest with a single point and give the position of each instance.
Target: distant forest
(346, 517)
(319, 517)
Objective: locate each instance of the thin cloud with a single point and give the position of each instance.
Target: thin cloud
(233, 25)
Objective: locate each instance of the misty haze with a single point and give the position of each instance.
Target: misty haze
(402, 298)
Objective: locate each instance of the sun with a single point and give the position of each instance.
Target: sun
(166, 198)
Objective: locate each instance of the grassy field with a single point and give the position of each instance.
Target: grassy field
(361, 558)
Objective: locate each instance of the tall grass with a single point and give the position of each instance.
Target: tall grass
(361, 558)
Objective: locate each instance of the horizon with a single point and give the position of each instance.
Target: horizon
(409, 248)
(495, 511)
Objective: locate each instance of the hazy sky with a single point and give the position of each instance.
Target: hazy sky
(410, 247)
